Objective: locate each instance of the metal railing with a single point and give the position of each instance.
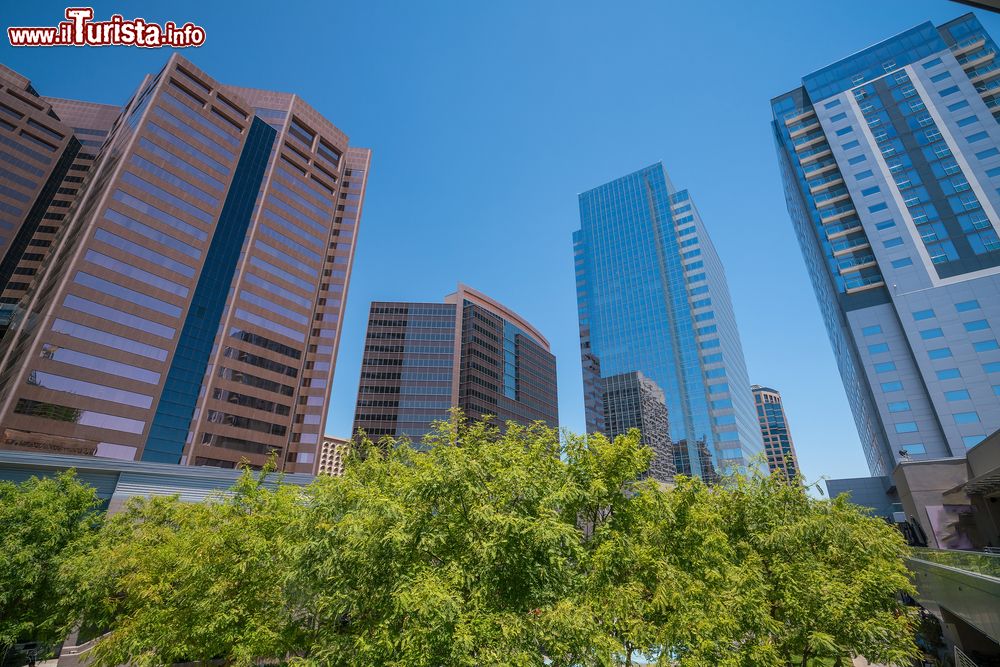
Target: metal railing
(801, 125)
(849, 244)
(965, 43)
(818, 165)
(841, 227)
(796, 112)
(852, 262)
(962, 660)
(807, 138)
(986, 87)
(830, 211)
(816, 182)
(859, 282)
(975, 55)
(985, 69)
(977, 562)
(830, 194)
(803, 155)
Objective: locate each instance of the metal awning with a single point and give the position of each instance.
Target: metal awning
(988, 482)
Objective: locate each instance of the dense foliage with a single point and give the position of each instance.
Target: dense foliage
(42, 522)
(495, 548)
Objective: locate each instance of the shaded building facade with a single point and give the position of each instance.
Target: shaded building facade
(190, 309)
(891, 165)
(471, 352)
(46, 148)
(778, 446)
(631, 400)
(652, 297)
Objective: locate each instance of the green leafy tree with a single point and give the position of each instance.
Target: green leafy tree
(462, 554)
(169, 581)
(487, 546)
(42, 521)
(659, 579)
(832, 574)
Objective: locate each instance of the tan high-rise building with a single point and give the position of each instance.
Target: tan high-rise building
(332, 453)
(781, 457)
(190, 309)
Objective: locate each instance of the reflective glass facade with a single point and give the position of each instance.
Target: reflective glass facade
(653, 297)
(631, 400)
(422, 359)
(891, 165)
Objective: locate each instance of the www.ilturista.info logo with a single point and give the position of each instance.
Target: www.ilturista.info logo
(81, 30)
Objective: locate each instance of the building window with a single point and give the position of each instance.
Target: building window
(906, 427)
(966, 417)
(966, 306)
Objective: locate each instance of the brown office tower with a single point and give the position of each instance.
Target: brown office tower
(190, 309)
(631, 400)
(774, 427)
(46, 148)
(421, 359)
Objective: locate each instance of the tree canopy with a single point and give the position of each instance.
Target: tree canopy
(489, 546)
(42, 521)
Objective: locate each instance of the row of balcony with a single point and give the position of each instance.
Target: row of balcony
(833, 213)
(845, 246)
(855, 263)
(968, 45)
(860, 284)
(825, 183)
(976, 58)
(842, 229)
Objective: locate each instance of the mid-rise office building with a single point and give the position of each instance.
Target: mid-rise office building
(189, 310)
(652, 297)
(631, 400)
(891, 165)
(778, 446)
(471, 352)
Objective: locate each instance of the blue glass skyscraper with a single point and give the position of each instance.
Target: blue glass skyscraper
(653, 297)
(891, 164)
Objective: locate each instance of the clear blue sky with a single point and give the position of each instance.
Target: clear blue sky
(487, 119)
